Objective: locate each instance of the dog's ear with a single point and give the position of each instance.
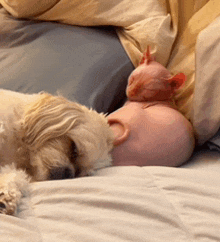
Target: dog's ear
(49, 117)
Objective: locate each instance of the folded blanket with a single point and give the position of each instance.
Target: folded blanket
(195, 16)
(139, 23)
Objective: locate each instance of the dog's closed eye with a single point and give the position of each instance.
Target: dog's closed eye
(73, 152)
(58, 173)
(69, 171)
(73, 157)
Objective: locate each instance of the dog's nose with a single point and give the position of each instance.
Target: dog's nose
(61, 173)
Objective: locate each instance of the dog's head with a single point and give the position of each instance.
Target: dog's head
(65, 139)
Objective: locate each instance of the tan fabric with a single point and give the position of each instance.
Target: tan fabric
(199, 14)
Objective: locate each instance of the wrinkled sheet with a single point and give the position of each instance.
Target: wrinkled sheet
(121, 204)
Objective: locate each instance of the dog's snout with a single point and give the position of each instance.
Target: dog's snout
(61, 173)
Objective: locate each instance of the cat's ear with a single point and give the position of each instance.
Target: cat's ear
(177, 81)
(147, 57)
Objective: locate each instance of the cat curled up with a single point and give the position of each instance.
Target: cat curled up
(46, 137)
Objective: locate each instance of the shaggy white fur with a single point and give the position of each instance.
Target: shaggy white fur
(46, 137)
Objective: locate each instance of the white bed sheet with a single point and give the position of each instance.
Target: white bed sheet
(121, 204)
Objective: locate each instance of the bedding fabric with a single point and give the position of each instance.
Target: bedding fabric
(206, 112)
(121, 204)
(139, 22)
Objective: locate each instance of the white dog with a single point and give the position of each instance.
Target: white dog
(45, 137)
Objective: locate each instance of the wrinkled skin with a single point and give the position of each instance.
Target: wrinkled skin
(151, 81)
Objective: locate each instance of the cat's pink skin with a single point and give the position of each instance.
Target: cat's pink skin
(151, 81)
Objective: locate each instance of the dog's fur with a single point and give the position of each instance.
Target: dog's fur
(45, 137)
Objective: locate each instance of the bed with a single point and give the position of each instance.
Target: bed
(86, 50)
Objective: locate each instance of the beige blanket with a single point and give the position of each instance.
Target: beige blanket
(170, 27)
(140, 23)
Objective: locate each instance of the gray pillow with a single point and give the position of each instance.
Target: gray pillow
(88, 65)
